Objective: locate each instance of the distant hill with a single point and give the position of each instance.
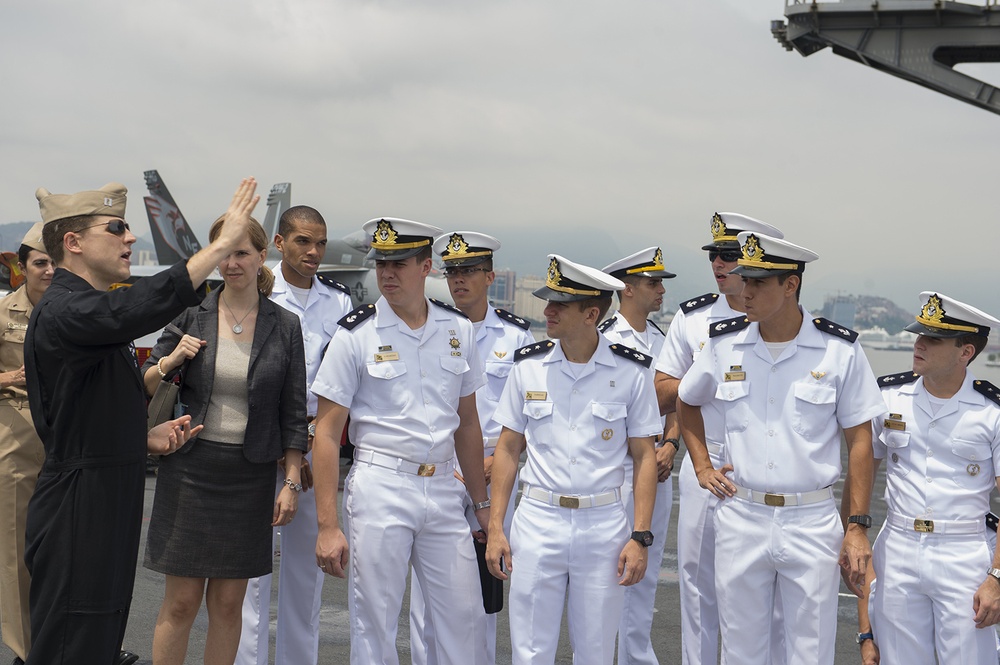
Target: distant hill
(869, 312)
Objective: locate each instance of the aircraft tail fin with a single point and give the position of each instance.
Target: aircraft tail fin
(278, 201)
(172, 237)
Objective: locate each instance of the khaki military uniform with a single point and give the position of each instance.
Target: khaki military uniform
(21, 457)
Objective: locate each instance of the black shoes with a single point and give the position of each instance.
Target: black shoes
(126, 658)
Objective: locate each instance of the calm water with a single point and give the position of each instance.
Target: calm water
(891, 362)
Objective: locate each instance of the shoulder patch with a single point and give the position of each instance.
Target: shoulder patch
(533, 350)
(835, 329)
(631, 354)
(699, 302)
(900, 379)
(648, 322)
(603, 328)
(334, 284)
(728, 326)
(513, 318)
(353, 319)
(988, 390)
(450, 308)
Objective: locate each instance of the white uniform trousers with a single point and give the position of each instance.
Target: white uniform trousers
(558, 550)
(422, 641)
(696, 570)
(300, 593)
(764, 552)
(923, 606)
(634, 644)
(394, 519)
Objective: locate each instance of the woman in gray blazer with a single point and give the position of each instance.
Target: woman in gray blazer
(214, 506)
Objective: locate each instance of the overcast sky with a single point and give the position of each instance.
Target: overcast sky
(596, 127)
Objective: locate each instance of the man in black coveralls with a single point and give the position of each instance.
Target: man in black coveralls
(88, 404)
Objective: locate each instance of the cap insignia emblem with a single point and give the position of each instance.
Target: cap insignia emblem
(384, 233)
(457, 244)
(658, 257)
(554, 275)
(933, 310)
(108, 201)
(719, 229)
(752, 251)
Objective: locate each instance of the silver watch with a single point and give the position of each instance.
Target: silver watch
(994, 573)
(482, 504)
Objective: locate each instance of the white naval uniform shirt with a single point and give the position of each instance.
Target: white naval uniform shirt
(942, 466)
(576, 429)
(686, 337)
(497, 339)
(618, 330)
(403, 390)
(324, 307)
(783, 420)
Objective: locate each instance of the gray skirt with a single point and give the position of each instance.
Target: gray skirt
(212, 514)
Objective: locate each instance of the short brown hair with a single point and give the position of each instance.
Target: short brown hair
(54, 232)
(978, 342)
(603, 304)
(265, 280)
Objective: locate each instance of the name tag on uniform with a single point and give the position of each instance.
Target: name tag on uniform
(536, 395)
(383, 357)
(735, 373)
(895, 421)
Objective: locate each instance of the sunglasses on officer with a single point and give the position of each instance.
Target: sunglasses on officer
(727, 255)
(116, 227)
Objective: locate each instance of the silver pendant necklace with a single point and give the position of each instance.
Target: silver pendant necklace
(238, 328)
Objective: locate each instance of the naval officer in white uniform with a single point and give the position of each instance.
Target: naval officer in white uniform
(686, 337)
(787, 384)
(468, 260)
(938, 574)
(643, 273)
(319, 303)
(407, 368)
(578, 405)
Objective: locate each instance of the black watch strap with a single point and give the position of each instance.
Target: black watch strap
(644, 538)
(862, 520)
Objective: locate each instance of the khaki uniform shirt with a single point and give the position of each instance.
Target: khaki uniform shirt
(15, 310)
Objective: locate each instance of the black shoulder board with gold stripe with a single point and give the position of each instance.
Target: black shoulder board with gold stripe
(728, 326)
(648, 322)
(835, 329)
(988, 390)
(332, 283)
(352, 320)
(631, 354)
(699, 302)
(607, 324)
(450, 308)
(533, 350)
(513, 318)
(900, 379)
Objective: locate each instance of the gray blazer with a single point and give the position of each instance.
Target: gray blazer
(276, 380)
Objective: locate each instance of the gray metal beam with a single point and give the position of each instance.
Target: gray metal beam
(917, 40)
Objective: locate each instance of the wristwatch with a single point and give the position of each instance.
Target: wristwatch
(482, 504)
(644, 538)
(864, 636)
(994, 573)
(861, 520)
(311, 429)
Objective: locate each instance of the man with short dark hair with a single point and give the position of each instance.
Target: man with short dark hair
(89, 408)
(578, 406)
(643, 273)
(786, 384)
(407, 369)
(319, 303)
(938, 578)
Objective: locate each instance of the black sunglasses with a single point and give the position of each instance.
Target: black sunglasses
(728, 255)
(116, 227)
(463, 272)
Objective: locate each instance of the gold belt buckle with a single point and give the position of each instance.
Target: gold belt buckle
(569, 501)
(425, 470)
(774, 500)
(923, 526)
